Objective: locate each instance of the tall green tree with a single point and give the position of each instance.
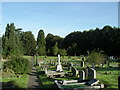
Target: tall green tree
(55, 49)
(41, 42)
(62, 52)
(96, 57)
(28, 42)
(11, 43)
(51, 40)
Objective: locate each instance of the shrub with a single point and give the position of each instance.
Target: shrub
(96, 57)
(19, 65)
(8, 72)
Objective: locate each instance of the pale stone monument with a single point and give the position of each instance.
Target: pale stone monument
(59, 66)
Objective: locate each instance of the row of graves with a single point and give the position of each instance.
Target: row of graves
(86, 77)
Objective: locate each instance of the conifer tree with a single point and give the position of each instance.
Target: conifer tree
(41, 43)
(11, 43)
(55, 49)
(28, 42)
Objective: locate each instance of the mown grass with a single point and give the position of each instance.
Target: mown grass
(108, 76)
(110, 81)
(21, 82)
(46, 82)
(27, 57)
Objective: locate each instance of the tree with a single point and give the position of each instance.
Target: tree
(11, 43)
(96, 57)
(62, 52)
(41, 43)
(106, 39)
(19, 65)
(55, 49)
(50, 42)
(28, 42)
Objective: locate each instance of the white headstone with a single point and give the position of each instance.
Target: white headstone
(45, 70)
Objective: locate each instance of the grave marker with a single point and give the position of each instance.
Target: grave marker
(59, 66)
(82, 63)
(91, 73)
(93, 82)
(74, 71)
(82, 74)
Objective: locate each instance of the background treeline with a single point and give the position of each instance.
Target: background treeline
(17, 42)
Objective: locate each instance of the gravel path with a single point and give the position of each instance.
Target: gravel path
(33, 80)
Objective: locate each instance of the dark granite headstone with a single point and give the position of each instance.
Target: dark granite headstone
(92, 82)
(119, 83)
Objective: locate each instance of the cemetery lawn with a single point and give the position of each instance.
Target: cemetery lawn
(106, 75)
(21, 82)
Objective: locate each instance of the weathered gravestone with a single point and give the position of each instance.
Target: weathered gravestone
(45, 70)
(74, 71)
(82, 75)
(86, 72)
(93, 82)
(70, 66)
(83, 59)
(82, 63)
(93, 65)
(91, 73)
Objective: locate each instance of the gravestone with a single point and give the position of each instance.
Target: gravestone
(83, 59)
(74, 71)
(70, 66)
(82, 74)
(91, 73)
(59, 66)
(82, 63)
(93, 65)
(93, 82)
(86, 72)
(45, 70)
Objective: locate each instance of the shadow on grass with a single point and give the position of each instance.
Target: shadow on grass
(107, 68)
(10, 85)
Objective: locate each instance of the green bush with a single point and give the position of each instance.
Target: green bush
(8, 72)
(96, 57)
(19, 65)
